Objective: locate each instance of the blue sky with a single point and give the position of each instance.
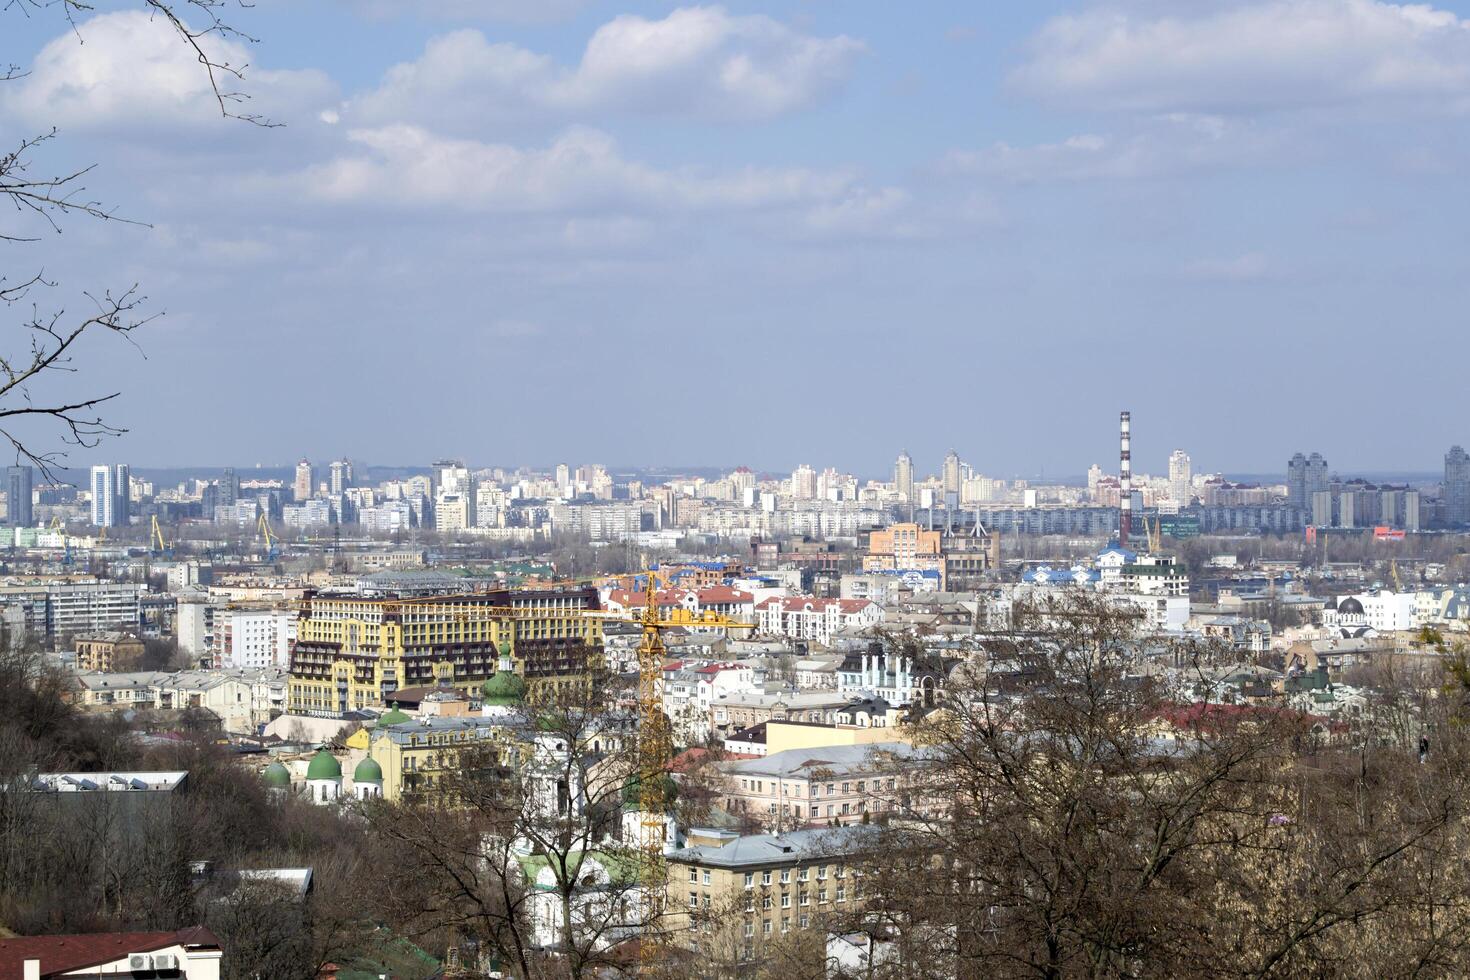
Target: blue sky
(775, 233)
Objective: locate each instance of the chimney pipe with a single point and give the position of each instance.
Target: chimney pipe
(1125, 479)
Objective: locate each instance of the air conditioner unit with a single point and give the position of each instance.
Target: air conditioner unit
(165, 961)
(140, 961)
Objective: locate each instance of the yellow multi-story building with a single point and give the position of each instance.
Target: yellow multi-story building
(353, 652)
(415, 755)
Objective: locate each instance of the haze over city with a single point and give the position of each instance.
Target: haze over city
(985, 226)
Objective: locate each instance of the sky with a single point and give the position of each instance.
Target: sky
(532, 231)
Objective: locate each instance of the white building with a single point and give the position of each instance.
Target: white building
(253, 639)
(816, 620)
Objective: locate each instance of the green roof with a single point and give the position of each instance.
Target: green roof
(504, 688)
(324, 766)
(276, 776)
(368, 771)
(621, 866)
(393, 716)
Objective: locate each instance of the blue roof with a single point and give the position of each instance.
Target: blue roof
(1120, 550)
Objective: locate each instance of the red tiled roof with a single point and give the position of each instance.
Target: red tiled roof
(63, 954)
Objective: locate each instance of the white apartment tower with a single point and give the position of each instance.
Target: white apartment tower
(903, 476)
(1181, 489)
(952, 477)
(302, 488)
(111, 495)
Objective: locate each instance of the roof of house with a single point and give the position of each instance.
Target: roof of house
(835, 759)
(67, 953)
(755, 850)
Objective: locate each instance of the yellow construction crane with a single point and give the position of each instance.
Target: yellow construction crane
(1398, 581)
(654, 746)
(56, 524)
(1154, 534)
(263, 527)
(157, 545)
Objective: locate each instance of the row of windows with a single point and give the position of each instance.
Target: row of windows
(759, 786)
(838, 871)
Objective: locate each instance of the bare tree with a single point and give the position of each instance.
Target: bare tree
(46, 338)
(519, 848)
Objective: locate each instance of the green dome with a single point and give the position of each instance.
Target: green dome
(393, 716)
(504, 688)
(367, 771)
(276, 776)
(324, 766)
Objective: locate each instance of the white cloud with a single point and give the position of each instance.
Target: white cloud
(127, 69)
(579, 171)
(698, 61)
(1251, 55)
(1163, 146)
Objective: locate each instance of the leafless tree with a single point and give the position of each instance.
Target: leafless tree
(469, 846)
(46, 337)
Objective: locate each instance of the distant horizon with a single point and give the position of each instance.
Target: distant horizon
(286, 470)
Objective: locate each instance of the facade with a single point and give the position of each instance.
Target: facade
(803, 618)
(104, 496)
(1457, 486)
(303, 487)
(761, 885)
(252, 639)
(354, 652)
(813, 787)
(54, 608)
(903, 547)
(1180, 487)
(100, 652)
(903, 477)
(19, 511)
(1305, 476)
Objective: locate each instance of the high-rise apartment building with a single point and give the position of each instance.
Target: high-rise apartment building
(111, 495)
(903, 476)
(1305, 476)
(341, 476)
(1457, 486)
(1180, 487)
(951, 474)
(18, 497)
(804, 483)
(227, 492)
(303, 487)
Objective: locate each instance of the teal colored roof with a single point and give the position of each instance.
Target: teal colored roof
(393, 716)
(367, 771)
(324, 766)
(276, 776)
(504, 688)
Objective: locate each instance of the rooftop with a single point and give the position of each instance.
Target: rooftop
(757, 850)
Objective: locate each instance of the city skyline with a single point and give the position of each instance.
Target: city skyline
(1244, 224)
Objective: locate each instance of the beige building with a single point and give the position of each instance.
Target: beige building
(814, 786)
(102, 652)
(729, 890)
(902, 547)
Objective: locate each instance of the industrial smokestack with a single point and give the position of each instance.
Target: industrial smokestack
(1125, 480)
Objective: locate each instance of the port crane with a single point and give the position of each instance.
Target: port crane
(156, 544)
(272, 549)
